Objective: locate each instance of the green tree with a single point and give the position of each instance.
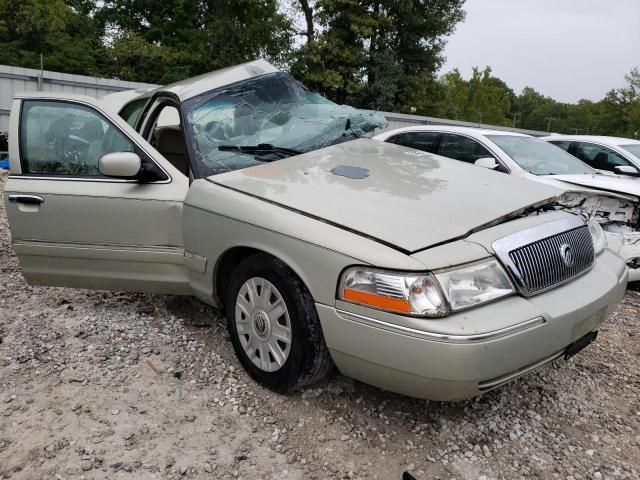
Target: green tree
(159, 41)
(482, 99)
(378, 54)
(65, 33)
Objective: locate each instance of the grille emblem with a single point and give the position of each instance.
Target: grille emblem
(567, 255)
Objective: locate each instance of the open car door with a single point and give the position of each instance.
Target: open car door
(79, 216)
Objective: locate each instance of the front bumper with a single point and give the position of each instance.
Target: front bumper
(627, 246)
(382, 350)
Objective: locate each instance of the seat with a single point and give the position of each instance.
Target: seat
(169, 141)
(601, 161)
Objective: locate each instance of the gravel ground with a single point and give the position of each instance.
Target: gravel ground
(87, 391)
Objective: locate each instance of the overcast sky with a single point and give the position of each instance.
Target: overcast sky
(565, 49)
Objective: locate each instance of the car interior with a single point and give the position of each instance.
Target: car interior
(169, 141)
(168, 138)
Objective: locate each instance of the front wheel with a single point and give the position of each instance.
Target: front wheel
(274, 325)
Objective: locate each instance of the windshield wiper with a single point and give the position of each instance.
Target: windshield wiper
(260, 148)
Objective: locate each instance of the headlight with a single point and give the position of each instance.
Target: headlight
(598, 236)
(425, 295)
(405, 293)
(469, 286)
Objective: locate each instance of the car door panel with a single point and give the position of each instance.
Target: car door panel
(98, 232)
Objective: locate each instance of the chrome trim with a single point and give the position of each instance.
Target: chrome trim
(444, 337)
(26, 176)
(504, 246)
(34, 199)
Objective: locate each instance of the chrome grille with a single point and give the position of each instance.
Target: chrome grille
(541, 265)
(548, 255)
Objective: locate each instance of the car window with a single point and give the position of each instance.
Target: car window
(634, 149)
(462, 148)
(599, 157)
(564, 144)
(539, 157)
(131, 112)
(271, 109)
(62, 138)
(425, 141)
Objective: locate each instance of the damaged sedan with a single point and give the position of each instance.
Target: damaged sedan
(612, 201)
(405, 270)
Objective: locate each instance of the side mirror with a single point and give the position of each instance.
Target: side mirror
(120, 165)
(626, 170)
(487, 162)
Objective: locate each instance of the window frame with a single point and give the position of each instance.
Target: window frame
(149, 118)
(138, 149)
(143, 101)
(502, 167)
(435, 145)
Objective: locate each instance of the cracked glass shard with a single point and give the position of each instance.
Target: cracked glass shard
(270, 109)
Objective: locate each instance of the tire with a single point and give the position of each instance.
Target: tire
(259, 332)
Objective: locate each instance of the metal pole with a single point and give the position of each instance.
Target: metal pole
(41, 77)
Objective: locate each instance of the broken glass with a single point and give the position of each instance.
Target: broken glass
(272, 109)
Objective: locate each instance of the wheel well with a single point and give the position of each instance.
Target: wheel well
(230, 259)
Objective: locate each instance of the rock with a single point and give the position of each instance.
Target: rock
(86, 465)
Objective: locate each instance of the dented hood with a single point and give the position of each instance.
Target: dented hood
(607, 183)
(396, 195)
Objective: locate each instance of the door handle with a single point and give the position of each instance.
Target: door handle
(26, 199)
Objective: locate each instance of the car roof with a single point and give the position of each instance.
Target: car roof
(192, 87)
(594, 138)
(447, 128)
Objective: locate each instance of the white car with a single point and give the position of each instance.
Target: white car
(608, 154)
(612, 200)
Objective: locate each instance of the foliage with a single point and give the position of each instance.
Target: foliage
(487, 99)
(482, 99)
(378, 54)
(161, 42)
(64, 33)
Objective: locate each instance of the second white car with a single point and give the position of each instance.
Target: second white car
(612, 200)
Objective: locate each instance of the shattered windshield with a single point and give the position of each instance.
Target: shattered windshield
(265, 119)
(539, 157)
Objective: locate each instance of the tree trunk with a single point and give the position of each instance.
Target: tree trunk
(308, 16)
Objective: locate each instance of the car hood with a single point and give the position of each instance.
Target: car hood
(608, 183)
(401, 197)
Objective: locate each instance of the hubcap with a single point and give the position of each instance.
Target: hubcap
(263, 324)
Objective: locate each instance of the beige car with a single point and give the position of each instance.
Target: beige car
(405, 270)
